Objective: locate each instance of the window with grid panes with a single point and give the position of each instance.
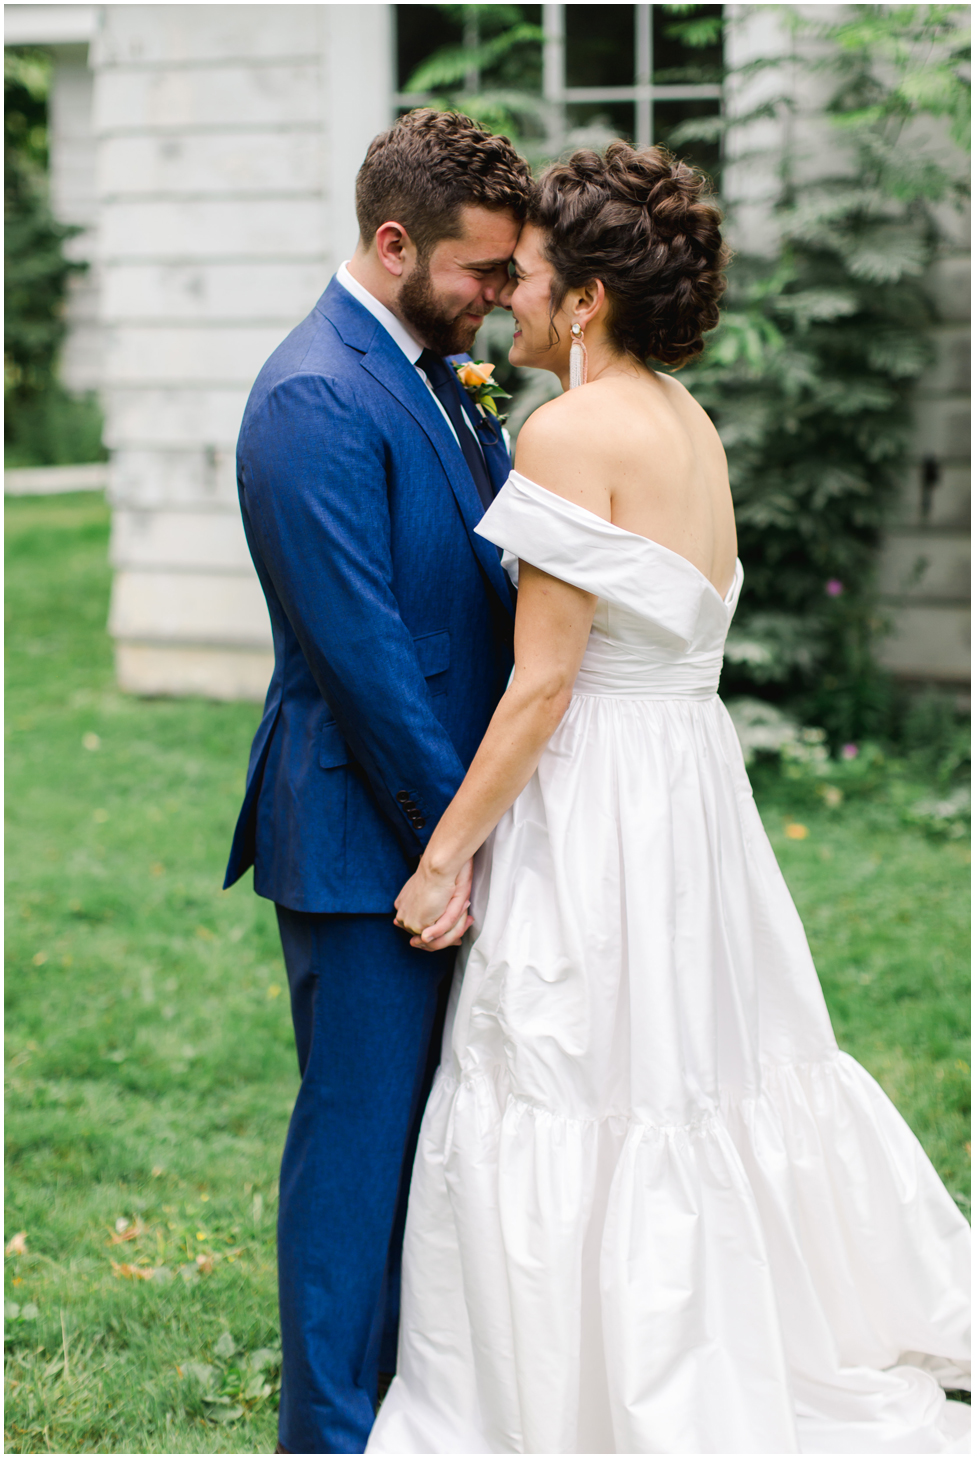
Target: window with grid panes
(604, 70)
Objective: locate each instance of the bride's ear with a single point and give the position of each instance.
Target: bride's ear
(589, 302)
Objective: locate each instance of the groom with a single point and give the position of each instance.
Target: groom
(363, 469)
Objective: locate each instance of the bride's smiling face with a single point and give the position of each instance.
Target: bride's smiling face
(539, 339)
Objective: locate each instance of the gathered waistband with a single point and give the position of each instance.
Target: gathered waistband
(617, 670)
(625, 676)
(700, 695)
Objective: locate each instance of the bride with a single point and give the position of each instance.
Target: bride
(654, 1208)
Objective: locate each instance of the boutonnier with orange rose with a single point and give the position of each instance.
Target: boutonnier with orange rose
(475, 376)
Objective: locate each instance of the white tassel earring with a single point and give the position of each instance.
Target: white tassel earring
(578, 359)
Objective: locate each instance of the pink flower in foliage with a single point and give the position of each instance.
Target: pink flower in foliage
(834, 587)
(849, 751)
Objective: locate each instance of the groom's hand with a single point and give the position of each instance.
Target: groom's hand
(450, 938)
(434, 909)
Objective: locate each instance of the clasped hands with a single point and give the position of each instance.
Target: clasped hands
(433, 905)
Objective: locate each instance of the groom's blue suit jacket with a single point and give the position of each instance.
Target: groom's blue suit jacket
(392, 620)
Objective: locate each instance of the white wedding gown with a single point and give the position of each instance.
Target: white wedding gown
(654, 1208)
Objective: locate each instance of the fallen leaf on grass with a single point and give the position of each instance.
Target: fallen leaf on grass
(126, 1230)
(133, 1273)
(204, 1264)
(795, 831)
(17, 1245)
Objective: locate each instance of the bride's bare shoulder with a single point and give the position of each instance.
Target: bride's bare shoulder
(561, 447)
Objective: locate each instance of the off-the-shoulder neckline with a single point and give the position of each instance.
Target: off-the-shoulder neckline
(636, 536)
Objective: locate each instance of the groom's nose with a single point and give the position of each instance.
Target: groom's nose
(494, 285)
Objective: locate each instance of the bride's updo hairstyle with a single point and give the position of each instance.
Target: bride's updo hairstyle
(644, 224)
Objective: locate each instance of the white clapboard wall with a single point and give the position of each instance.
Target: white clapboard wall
(220, 222)
(74, 199)
(209, 152)
(925, 560)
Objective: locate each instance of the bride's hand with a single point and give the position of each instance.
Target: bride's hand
(434, 907)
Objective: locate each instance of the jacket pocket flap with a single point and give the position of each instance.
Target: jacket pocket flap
(433, 653)
(332, 747)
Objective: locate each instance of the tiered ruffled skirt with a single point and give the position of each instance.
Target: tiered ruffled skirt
(654, 1209)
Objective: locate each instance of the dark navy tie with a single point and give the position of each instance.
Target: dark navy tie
(445, 385)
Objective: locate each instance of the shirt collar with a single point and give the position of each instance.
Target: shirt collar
(396, 330)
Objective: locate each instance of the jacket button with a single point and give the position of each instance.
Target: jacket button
(402, 796)
(419, 821)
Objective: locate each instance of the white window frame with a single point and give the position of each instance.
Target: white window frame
(558, 95)
(643, 93)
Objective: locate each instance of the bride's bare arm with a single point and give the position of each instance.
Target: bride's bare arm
(551, 630)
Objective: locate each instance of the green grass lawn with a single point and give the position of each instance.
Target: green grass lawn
(150, 1068)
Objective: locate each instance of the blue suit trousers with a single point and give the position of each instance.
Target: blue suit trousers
(367, 1011)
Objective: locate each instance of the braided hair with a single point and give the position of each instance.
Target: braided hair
(644, 224)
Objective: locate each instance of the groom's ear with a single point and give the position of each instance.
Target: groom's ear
(395, 248)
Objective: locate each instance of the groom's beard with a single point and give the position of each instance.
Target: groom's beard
(442, 332)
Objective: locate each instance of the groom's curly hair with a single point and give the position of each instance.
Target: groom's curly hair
(430, 164)
(645, 224)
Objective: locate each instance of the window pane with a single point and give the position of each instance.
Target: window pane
(670, 114)
(421, 30)
(599, 48)
(594, 123)
(673, 60)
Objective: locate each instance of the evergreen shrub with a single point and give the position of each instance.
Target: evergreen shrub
(44, 424)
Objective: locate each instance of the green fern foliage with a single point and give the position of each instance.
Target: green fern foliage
(494, 75)
(810, 374)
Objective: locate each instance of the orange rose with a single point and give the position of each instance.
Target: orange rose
(475, 374)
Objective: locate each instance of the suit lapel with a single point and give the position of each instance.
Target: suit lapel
(387, 363)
